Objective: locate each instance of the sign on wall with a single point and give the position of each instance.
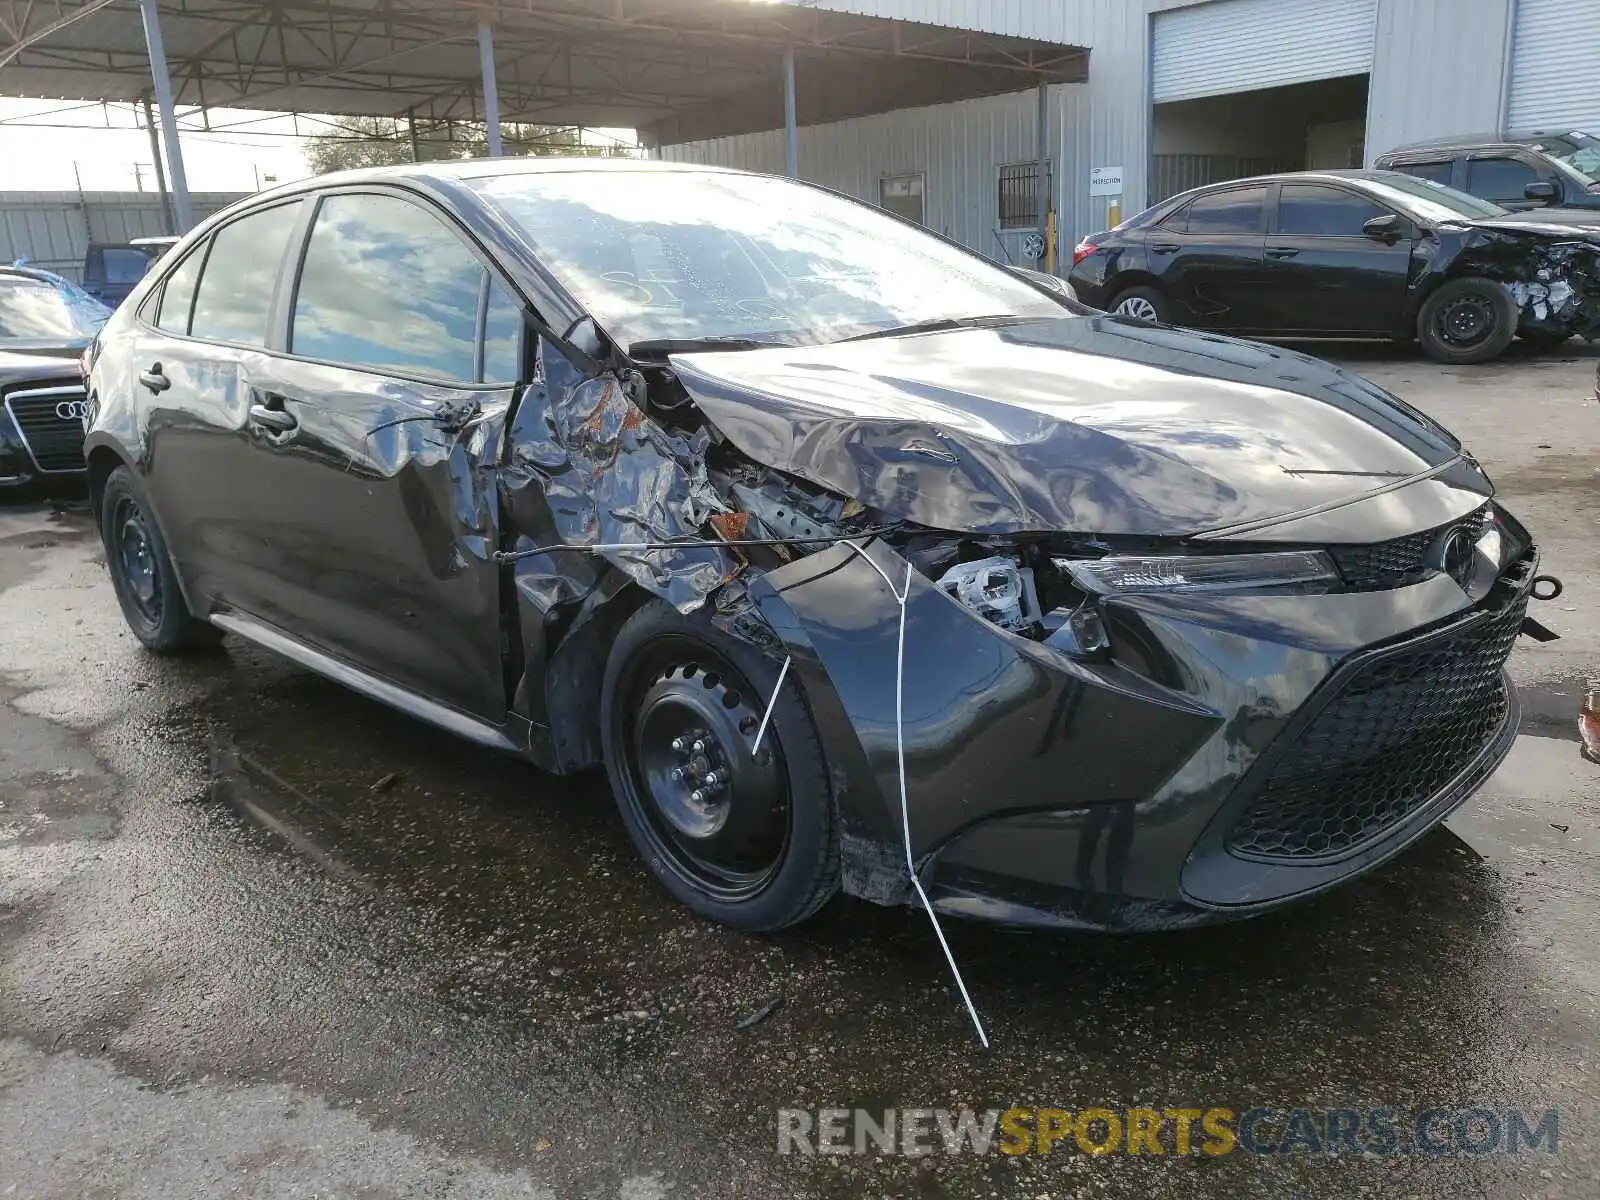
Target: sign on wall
(1105, 181)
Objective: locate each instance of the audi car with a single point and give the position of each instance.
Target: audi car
(45, 325)
(1352, 254)
(860, 563)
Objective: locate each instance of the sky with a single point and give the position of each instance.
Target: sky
(57, 145)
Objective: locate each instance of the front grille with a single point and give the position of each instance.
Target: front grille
(1396, 733)
(1401, 561)
(54, 442)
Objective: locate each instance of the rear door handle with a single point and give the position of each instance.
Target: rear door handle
(1281, 252)
(1165, 248)
(154, 379)
(272, 418)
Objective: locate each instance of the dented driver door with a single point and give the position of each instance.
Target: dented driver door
(379, 433)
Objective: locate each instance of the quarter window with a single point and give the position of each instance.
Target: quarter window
(177, 294)
(1438, 172)
(234, 301)
(1323, 212)
(1499, 179)
(1239, 210)
(502, 336)
(386, 285)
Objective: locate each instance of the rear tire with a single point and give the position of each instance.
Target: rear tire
(750, 842)
(1142, 304)
(1467, 321)
(142, 572)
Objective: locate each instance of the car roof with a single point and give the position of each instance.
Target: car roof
(1475, 141)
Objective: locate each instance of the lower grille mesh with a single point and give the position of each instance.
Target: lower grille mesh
(1398, 731)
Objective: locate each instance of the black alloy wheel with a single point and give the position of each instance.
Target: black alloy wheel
(142, 573)
(745, 837)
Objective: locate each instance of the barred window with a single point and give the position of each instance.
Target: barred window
(1019, 194)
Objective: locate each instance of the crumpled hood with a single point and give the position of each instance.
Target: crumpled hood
(1083, 424)
(1556, 222)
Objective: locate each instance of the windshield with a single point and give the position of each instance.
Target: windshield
(1429, 201)
(696, 255)
(1578, 151)
(32, 310)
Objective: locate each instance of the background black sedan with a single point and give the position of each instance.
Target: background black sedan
(45, 323)
(1365, 254)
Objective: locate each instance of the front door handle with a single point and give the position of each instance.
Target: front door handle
(1281, 252)
(272, 418)
(154, 379)
(1165, 248)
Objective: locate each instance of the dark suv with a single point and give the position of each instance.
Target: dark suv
(1515, 171)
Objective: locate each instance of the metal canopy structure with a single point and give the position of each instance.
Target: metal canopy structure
(670, 68)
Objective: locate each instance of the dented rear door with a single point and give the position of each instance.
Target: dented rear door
(377, 477)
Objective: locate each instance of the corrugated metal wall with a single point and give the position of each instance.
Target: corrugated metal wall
(53, 229)
(1555, 81)
(1437, 69)
(958, 148)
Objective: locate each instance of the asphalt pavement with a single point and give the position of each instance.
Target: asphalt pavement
(261, 937)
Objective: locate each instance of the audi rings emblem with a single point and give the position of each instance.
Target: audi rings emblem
(73, 410)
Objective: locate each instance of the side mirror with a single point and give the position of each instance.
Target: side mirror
(1542, 192)
(1386, 229)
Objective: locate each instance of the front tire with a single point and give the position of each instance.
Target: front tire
(142, 573)
(749, 841)
(1467, 321)
(1142, 304)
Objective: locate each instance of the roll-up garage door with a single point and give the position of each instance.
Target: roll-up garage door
(1555, 66)
(1242, 45)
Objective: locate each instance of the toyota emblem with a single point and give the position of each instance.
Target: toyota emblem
(73, 410)
(1455, 555)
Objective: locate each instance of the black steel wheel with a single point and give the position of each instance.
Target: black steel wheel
(142, 573)
(1467, 321)
(742, 836)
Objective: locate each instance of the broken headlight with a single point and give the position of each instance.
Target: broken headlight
(998, 590)
(1118, 574)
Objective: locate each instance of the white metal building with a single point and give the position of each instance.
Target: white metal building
(1181, 92)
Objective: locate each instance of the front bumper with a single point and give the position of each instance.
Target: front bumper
(1043, 790)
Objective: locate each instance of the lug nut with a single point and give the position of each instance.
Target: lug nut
(712, 779)
(679, 745)
(677, 773)
(697, 796)
(699, 747)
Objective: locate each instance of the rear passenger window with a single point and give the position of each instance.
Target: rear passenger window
(1499, 179)
(234, 302)
(1236, 211)
(1438, 172)
(1323, 211)
(177, 294)
(387, 285)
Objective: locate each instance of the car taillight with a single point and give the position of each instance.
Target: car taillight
(86, 361)
(1082, 251)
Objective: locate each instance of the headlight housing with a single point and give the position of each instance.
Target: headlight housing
(1305, 570)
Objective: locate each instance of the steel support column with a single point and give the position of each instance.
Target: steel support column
(491, 97)
(169, 120)
(1043, 184)
(161, 171)
(790, 126)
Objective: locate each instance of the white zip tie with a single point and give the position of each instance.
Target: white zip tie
(901, 595)
(771, 704)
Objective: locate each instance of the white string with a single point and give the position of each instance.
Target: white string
(901, 595)
(771, 704)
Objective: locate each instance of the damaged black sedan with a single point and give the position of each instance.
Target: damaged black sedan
(1352, 254)
(859, 563)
